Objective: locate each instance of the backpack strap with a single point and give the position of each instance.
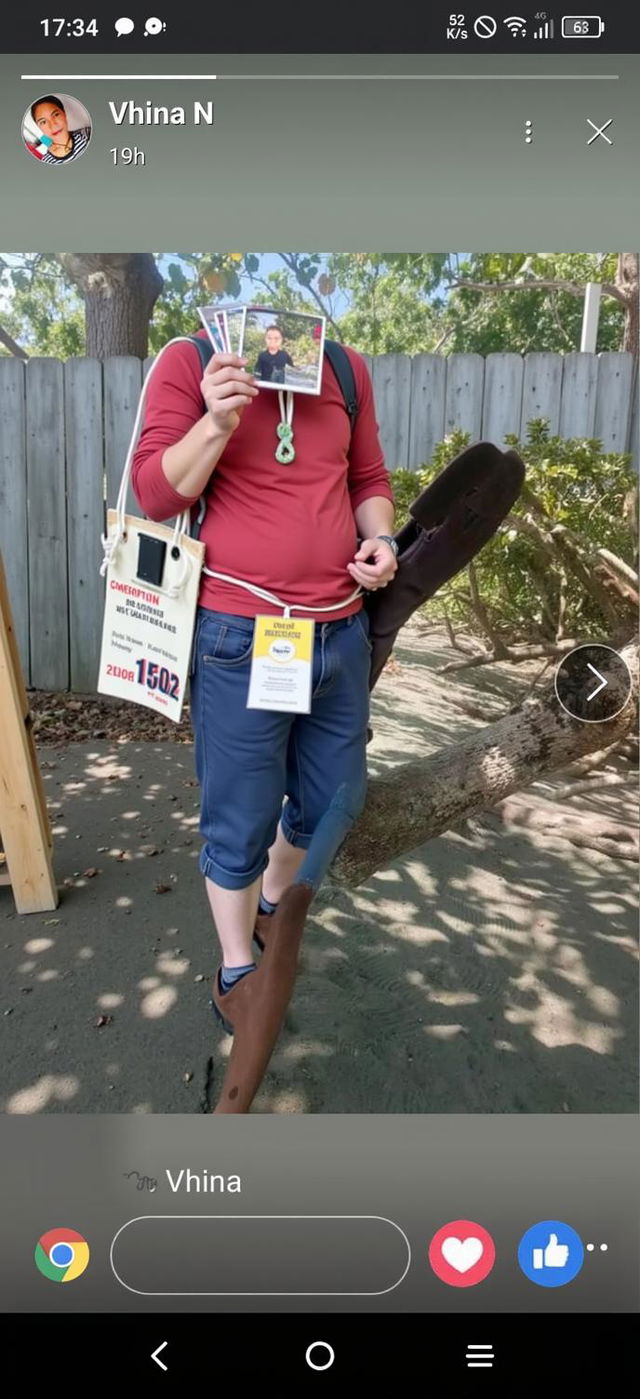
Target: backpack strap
(205, 351)
(204, 348)
(343, 370)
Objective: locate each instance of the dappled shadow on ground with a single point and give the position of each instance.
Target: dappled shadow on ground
(102, 1008)
(493, 970)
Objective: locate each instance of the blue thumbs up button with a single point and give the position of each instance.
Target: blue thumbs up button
(551, 1253)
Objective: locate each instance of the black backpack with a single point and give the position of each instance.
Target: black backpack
(342, 368)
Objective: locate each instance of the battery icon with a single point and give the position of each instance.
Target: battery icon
(582, 26)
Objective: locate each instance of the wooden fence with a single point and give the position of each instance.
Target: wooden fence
(64, 430)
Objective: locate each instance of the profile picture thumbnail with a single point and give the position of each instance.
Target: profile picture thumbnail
(56, 128)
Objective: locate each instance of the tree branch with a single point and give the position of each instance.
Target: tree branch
(541, 284)
(10, 344)
(290, 261)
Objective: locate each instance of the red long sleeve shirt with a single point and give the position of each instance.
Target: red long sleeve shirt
(290, 529)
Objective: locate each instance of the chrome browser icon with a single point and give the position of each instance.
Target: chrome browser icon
(62, 1255)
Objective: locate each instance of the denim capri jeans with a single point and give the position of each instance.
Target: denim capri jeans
(248, 761)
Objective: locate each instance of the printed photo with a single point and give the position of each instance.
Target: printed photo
(210, 317)
(284, 348)
(56, 129)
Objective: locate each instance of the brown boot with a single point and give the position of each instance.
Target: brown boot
(254, 1009)
(263, 924)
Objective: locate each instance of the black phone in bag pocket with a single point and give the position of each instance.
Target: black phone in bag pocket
(151, 557)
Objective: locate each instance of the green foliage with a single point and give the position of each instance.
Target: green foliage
(380, 303)
(569, 482)
(40, 309)
(394, 306)
(520, 321)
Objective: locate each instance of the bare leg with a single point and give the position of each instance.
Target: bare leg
(284, 862)
(234, 913)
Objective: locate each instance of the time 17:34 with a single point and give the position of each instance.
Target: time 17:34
(71, 28)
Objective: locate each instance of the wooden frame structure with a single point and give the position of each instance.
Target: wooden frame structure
(24, 822)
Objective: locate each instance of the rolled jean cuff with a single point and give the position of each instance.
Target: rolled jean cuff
(229, 879)
(297, 838)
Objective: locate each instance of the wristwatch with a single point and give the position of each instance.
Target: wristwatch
(388, 539)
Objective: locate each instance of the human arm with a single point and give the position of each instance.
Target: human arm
(180, 445)
(226, 390)
(374, 563)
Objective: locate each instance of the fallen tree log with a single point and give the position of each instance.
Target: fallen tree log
(515, 655)
(419, 800)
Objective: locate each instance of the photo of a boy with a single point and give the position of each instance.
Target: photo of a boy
(272, 361)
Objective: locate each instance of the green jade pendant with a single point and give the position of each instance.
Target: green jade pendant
(285, 451)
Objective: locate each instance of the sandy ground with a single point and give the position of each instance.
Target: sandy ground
(492, 970)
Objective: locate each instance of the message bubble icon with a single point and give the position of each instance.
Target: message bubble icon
(124, 26)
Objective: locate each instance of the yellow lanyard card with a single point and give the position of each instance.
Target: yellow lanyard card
(282, 664)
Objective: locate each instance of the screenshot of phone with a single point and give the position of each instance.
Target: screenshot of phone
(318, 683)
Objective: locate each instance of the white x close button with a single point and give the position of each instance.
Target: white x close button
(599, 131)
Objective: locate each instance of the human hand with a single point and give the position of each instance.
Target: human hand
(226, 390)
(376, 574)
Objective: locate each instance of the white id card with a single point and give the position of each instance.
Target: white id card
(281, 665)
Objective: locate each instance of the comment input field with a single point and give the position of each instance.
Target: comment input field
(260, 1255)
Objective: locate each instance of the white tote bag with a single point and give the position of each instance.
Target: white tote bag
(148, 626)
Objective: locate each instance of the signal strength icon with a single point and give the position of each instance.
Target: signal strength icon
(516, 25)
(545, 30)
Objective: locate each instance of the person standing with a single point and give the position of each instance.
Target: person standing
(266, 777)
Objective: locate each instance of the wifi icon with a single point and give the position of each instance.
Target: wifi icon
(516, 25)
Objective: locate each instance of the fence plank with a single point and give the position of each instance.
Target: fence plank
(428, 391)
(502, 406)
(13, 500)
(579, 388)
(463, 401)
(47, 524)
(613, 400)
(85, 517)
(392, 391)
(122, 383)
(541, 391)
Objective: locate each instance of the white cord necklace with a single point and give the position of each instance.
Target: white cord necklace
(285, 451)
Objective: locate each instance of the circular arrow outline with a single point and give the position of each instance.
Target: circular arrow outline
(588, 646)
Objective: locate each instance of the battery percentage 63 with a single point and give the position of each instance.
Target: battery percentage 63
(582, 26)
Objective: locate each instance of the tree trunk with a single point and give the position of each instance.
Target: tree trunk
(120, 291)
(628, 280)
(422, 799)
